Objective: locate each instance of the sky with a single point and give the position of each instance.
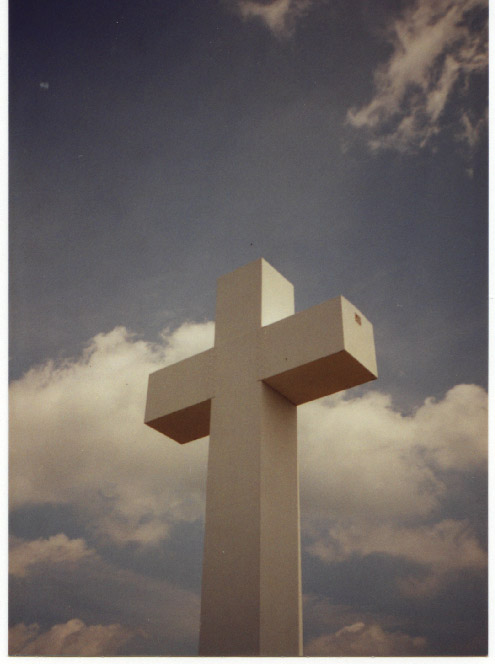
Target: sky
(157, 145)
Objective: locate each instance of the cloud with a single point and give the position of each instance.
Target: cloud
(358, 457)
(73, 638)
(359, 640)
(470, 131)
(163, 616)
(373, 481)
(446, 545)
(57, 549)
(453, 432)
(279, 16)
(369, 461)
(77, 436)
(436, 48)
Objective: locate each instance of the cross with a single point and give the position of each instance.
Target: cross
(243, 392)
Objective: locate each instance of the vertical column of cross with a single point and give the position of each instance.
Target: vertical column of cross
(230, 584)
(252, 517)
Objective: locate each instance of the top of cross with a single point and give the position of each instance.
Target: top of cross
(250, 297)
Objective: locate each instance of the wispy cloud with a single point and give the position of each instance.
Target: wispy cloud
(470, 130)
(446, 545)
(279, 16)
(156, 609)
(436, 48)
(73, 638)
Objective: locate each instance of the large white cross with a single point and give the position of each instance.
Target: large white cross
(243, 392)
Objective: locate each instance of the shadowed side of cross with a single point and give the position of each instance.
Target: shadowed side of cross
(244, 391)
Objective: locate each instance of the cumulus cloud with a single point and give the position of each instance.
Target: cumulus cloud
(366, 460)
(372, 481)
(359, 639)
(357, 457)
(77, 436)
(453, 432)
(378, 477)
(73, 638)
(57, 549)
(436, 48)
(279, 16)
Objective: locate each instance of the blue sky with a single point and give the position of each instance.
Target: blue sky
(156, 145)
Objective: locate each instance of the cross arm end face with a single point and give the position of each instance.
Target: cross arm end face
(179, 398)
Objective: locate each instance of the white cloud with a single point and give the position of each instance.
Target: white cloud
(359, 639)
(56, 549)
(454, 432)
(435, 52)
(367, 470)
(367, 473)
(279, 16)
(73, 638)
(357, 458)
(365, 460)
(77, 436)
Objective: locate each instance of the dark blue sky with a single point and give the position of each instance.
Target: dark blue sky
(156, 145)
(175, 142)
